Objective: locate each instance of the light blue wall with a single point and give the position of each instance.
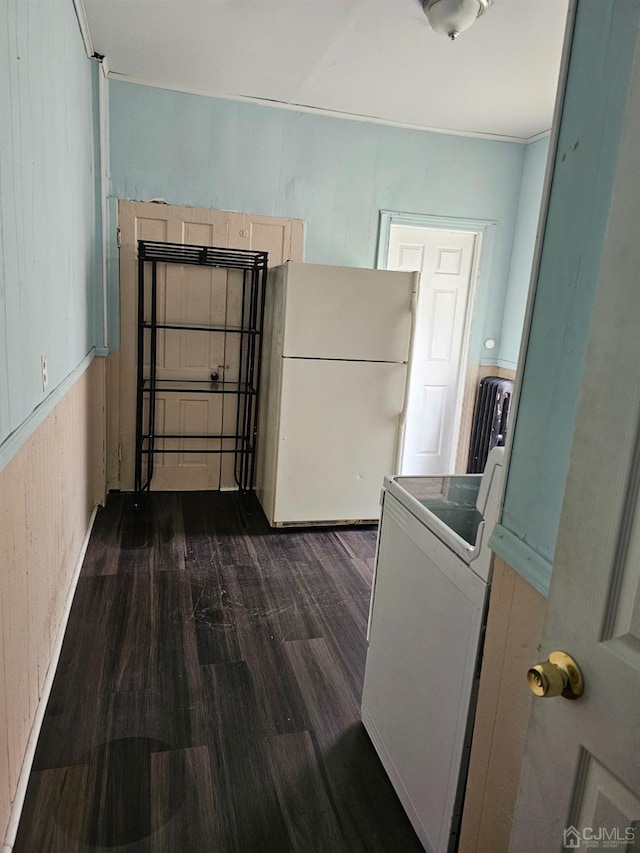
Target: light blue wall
(599, 70)
(49, 264)
(335, 174)
(523, 249)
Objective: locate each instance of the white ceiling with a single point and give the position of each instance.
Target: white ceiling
(375, 58)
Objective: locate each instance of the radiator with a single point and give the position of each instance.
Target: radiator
(490, 420)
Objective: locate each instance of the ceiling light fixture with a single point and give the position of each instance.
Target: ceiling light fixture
(452, 17)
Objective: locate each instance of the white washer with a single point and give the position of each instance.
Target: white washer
(427, 616)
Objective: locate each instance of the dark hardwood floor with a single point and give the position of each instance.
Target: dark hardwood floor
(207, 696)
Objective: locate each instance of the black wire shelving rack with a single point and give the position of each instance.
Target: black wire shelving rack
(253, 266)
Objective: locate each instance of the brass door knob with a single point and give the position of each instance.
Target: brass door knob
(560, 675)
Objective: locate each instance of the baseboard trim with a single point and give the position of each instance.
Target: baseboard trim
(27, 762)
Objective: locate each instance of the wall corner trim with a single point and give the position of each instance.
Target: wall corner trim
(83, 23)
(25, 772)
(522, 558)
(10, 446)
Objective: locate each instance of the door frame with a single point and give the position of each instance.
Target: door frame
(485, 231)
(533, 568)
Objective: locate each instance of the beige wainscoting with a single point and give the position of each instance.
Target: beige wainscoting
(47, 492)
(514, 630)
(475, 372)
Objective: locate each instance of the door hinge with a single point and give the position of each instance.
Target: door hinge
(118, 238)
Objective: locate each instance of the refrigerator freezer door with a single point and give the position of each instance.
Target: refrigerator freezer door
(337, 439)
(347, 313)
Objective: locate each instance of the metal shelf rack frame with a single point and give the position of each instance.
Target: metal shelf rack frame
(253, 265)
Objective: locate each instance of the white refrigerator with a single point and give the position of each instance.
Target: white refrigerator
(332, 393)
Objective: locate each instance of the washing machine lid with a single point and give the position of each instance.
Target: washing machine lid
(447, 506)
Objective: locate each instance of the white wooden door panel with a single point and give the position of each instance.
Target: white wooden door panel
(445, 261)
(276, 238)
(188, 294)
(430, 420)
(581, 773)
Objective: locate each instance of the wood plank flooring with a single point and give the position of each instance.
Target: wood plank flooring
(207, 696)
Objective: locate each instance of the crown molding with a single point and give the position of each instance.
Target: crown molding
(544, 134)
(304, 108)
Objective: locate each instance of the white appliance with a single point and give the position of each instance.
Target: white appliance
(425, 625)
(332, 392)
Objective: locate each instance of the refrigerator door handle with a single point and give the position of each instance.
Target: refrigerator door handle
(402, 420)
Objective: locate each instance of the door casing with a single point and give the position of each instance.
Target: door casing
(485, 230)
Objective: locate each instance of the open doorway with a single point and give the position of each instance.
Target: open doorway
(448, 254)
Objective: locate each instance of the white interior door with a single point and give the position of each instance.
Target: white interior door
(445, 260)
(580, 784)
(187, 294)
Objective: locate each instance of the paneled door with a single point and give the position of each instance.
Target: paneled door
(580, 783)
(445, 260)
(187, 294)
